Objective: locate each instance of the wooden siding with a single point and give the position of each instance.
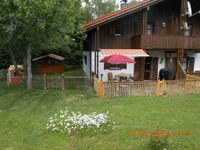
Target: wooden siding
(128, 26)
(50, 69)
(49, 66)
(135, 24)
(166, 42)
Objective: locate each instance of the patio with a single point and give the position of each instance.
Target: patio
(118, 64)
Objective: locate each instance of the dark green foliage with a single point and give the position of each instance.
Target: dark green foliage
(159, 143)
(96, 8)
(49, 25)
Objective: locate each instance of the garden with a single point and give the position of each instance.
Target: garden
(120, 123)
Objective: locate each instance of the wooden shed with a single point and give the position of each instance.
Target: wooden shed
(49, 64)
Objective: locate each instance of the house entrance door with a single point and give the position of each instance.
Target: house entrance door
(147, 68)
(151, 68)
(139, 69)
(154, 69)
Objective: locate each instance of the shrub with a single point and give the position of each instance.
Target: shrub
(71, 122)
(159, 143)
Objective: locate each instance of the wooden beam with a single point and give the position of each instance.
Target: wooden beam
(182, 16)
(179, 70)
(90, 56)
(97, 51)
(181, 41)
(142, 68)
(144, 22)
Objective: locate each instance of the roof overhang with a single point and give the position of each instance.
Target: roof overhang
(54, 56)
(120, 13)
(126, 52)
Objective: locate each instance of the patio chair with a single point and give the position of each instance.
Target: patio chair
(115, 79)
(110, 76)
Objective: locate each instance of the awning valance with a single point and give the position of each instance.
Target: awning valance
(126, 52)
(117, 59)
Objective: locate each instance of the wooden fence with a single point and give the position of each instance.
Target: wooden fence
(182, 86)
(60, 82)
(98, 87)
(193, 76)
(3, 82)
(148, 88)
(129, 88)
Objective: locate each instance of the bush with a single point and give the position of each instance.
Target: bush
(159, 143)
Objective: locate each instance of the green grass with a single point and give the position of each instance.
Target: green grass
(23, 116)
(77, 72)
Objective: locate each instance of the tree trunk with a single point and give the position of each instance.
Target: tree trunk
(25, 68)
(29, 72)
(13, 60)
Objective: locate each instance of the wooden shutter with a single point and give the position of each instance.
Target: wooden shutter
(154, 69)
(139, 69)
(106, 66)
(190, 68)
(174, 67)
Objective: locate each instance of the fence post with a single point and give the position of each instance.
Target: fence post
(164, 87)
(100, 89)
(8, 83)
(187, 77)
(45, 82)
(63, 81)
(158, 88)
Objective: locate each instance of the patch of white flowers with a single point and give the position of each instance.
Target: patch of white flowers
(72, 122)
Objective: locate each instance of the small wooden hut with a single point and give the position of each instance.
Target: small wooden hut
(15, 75)
(49, 64)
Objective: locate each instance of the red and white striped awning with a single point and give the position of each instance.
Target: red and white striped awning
(126, 52)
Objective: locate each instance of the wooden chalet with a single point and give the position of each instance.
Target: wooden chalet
(49, 64)
(160, 28)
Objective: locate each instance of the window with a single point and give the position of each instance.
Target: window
(115, 31)
(150, 28)
(185, 63)
(170, 61)
(108, 66)
(85, 59)
(49, 63)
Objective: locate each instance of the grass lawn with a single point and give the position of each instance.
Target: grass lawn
(23, 118)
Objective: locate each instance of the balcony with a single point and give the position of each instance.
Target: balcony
(166, 42)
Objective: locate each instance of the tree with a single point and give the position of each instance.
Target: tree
(37, 25)
(96, 8)
(133, 1)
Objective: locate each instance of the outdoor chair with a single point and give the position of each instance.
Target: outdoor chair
(110, 77)
(115, 79)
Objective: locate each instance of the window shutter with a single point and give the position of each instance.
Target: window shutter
(191, 65)
(106, 66)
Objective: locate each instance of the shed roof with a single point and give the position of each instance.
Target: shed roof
(51, 56)
(119, 13)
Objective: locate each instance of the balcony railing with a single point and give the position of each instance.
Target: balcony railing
(166, 42)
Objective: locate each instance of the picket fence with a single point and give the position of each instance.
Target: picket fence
(147, 88)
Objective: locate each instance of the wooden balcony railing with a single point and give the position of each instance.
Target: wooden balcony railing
(166, 42)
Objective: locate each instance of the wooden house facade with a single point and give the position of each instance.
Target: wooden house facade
(161, 28)
(49, 64)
